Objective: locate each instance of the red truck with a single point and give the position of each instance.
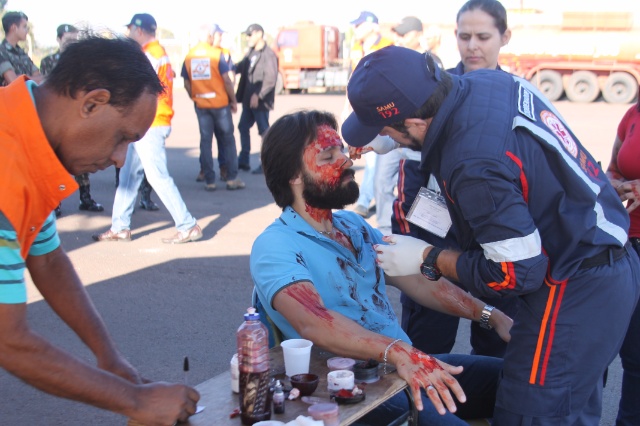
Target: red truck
(588, 54)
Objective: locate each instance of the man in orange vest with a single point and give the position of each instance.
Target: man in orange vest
(207, 79)
(148, 154)
(44, 134)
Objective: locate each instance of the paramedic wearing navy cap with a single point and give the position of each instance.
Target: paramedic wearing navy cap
(534, 214)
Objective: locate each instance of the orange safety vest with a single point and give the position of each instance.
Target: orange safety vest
(160, 62)
(33, 179)
(207, 86)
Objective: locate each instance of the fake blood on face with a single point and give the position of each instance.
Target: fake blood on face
(325, 167)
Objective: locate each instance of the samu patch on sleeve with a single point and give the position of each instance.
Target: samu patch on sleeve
(525, 102)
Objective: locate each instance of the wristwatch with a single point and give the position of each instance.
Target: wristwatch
(429, 268)
(484, 317)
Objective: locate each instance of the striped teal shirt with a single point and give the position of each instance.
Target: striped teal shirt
(12, 265)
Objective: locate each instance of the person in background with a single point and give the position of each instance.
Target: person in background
(410, 33)
(534, 218)
(367, 39)
(44, 131)
(207, 79)
(13, 60)
(481, 30)
(66, 34)
(624, 174)
(149, 154)
(256, 90)
(315, 274)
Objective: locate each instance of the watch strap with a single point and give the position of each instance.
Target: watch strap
(432, 257)
(484, 317)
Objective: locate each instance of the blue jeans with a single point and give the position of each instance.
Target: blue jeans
(248, 118)
(479, 381)
(629, 409)
(367, 187)
(217, 121)
(148, 156)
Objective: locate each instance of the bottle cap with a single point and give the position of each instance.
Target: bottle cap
(251, 314)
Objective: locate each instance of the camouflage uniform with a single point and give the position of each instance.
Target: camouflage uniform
(16, 59)
(48, 62)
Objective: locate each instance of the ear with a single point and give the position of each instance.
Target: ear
(506, 37)
(94, 100)
(296, 180)
(419, 123)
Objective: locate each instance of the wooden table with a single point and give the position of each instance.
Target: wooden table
(220, 401)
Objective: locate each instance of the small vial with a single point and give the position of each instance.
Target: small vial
(278, 399)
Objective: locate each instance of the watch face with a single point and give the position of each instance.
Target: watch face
(430, 272)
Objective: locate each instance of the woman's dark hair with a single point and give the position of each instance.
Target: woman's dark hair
(283, 146)
(491, 7)
(116, 64)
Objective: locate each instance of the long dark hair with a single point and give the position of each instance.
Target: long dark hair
(283, 146)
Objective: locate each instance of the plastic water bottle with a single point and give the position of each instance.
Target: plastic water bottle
(253, 364)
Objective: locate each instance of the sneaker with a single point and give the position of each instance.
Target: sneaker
(257, 170)
(91, 206)
(224, 173)
(192, 234)
(124, 235)
(361, 210)
(244, 167)
(235, 184)
(200, 177)
(210, 187)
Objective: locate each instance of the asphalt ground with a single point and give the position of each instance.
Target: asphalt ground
(163, 302)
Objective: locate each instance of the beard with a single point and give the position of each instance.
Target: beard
(321, 196)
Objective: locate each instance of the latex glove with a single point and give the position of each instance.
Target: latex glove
(403, 255)
(382, 145)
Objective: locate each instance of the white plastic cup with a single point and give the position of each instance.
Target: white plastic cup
(297, 355)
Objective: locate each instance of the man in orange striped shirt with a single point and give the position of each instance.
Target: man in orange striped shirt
(148, 154)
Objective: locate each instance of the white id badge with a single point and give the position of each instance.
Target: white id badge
(429, 212)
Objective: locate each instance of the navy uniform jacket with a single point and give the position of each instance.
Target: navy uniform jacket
(524, 195)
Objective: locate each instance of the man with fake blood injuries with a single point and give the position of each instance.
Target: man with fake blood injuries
(316, 277)
(534, 215)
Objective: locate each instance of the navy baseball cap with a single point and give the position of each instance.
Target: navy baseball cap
(388, 86)
(365, 17)
(143, 21)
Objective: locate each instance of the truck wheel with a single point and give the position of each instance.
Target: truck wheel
(620, 88)
(549, 83)
(582, 86)
(279, 84)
